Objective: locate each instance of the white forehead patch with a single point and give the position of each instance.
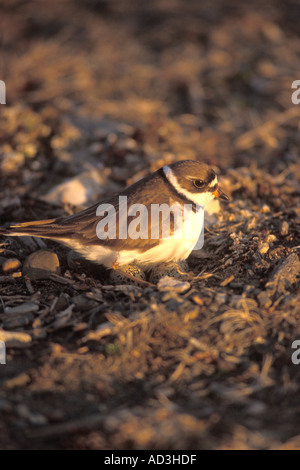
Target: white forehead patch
(213, 182)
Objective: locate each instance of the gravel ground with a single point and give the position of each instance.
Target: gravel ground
(100, 93)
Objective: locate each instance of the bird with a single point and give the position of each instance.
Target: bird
(121, 230)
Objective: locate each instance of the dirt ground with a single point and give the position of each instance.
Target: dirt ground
(103, 92)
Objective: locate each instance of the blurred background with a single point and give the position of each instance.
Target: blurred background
(119, 87)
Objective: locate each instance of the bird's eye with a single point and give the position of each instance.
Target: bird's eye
(199, 183)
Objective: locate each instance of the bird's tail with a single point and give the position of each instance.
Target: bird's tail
(41, 228)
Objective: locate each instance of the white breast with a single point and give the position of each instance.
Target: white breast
(178, 246)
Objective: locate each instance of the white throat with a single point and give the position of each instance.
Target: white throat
(201, 198)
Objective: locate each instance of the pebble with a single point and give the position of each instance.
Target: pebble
(32, 244)
(168, 283)
(256, 408)
(41, 264)
(34, 417)
(15, 339)
(96, 148)
(271, 238)
(17, 322)
(11, 264)
(265, 209)
(83, 304)
(284, 230)
(263, 248)
(37, 419)
(79, 190)
(28, 307)
(220, 298)
(17, 381)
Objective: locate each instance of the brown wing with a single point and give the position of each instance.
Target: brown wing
(81, 228)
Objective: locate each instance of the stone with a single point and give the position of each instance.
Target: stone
(11, 264)
(284, 229)
(168, 283)
(15, 339)
(263, 248)
(41, 264)
(21, 309)
(79, 190)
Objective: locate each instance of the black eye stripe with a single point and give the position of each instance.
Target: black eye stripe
(211, 176)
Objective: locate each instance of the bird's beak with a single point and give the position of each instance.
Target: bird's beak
(220, 194)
